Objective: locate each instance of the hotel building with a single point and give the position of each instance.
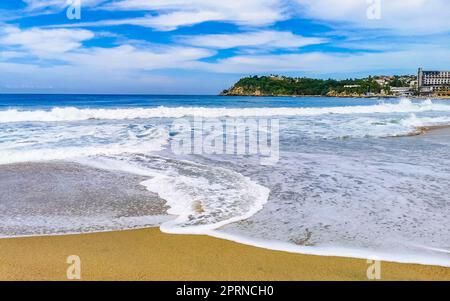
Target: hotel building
(434, 82)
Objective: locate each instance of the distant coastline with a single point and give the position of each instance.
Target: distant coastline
(370, 87)
(339, 96)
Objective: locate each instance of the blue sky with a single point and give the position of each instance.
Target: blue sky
(203, 46)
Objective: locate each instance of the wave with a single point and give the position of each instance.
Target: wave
(202, 197)
(361, 126)
(418, 122)
(33, 144)
(60, 114)
(46, 144)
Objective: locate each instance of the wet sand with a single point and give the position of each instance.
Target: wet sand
(52, 197)
(148, 254)
(436, 130)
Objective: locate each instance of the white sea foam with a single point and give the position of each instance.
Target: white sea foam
(76, 114)
(23, 144)
(205, 198)
(356, 200)
(276, 245)
(69, 140)
(414, 121)
(202, 198)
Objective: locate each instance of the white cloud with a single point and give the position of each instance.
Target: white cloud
(51, 43)
(55, 5)
(40, 41)
(43, 4)
(403, 16)
(268, 39)
(128, 57)
(84, 69)
(7, 55)
(172, 14)
(334, 63)
(32, 78)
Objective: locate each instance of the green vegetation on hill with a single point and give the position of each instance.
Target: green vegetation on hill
(398, 81)
(282, 85)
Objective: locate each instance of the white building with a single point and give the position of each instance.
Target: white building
(433, 81)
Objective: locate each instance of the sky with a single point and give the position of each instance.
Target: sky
(204, 46)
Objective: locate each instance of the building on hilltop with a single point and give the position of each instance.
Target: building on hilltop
(433, 82)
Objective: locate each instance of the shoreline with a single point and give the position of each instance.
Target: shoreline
(423, 130)
(350, 96)
(18, 256)
(148, 254)
(275, 246)
(48, 240)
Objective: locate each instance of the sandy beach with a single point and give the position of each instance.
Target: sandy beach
(148, 254)
(66, 197)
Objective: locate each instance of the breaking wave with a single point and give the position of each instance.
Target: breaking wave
(203, 198)
(76, 114)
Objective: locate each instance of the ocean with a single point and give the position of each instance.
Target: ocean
(337, 176)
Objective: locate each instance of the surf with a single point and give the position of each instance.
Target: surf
(65, 114)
